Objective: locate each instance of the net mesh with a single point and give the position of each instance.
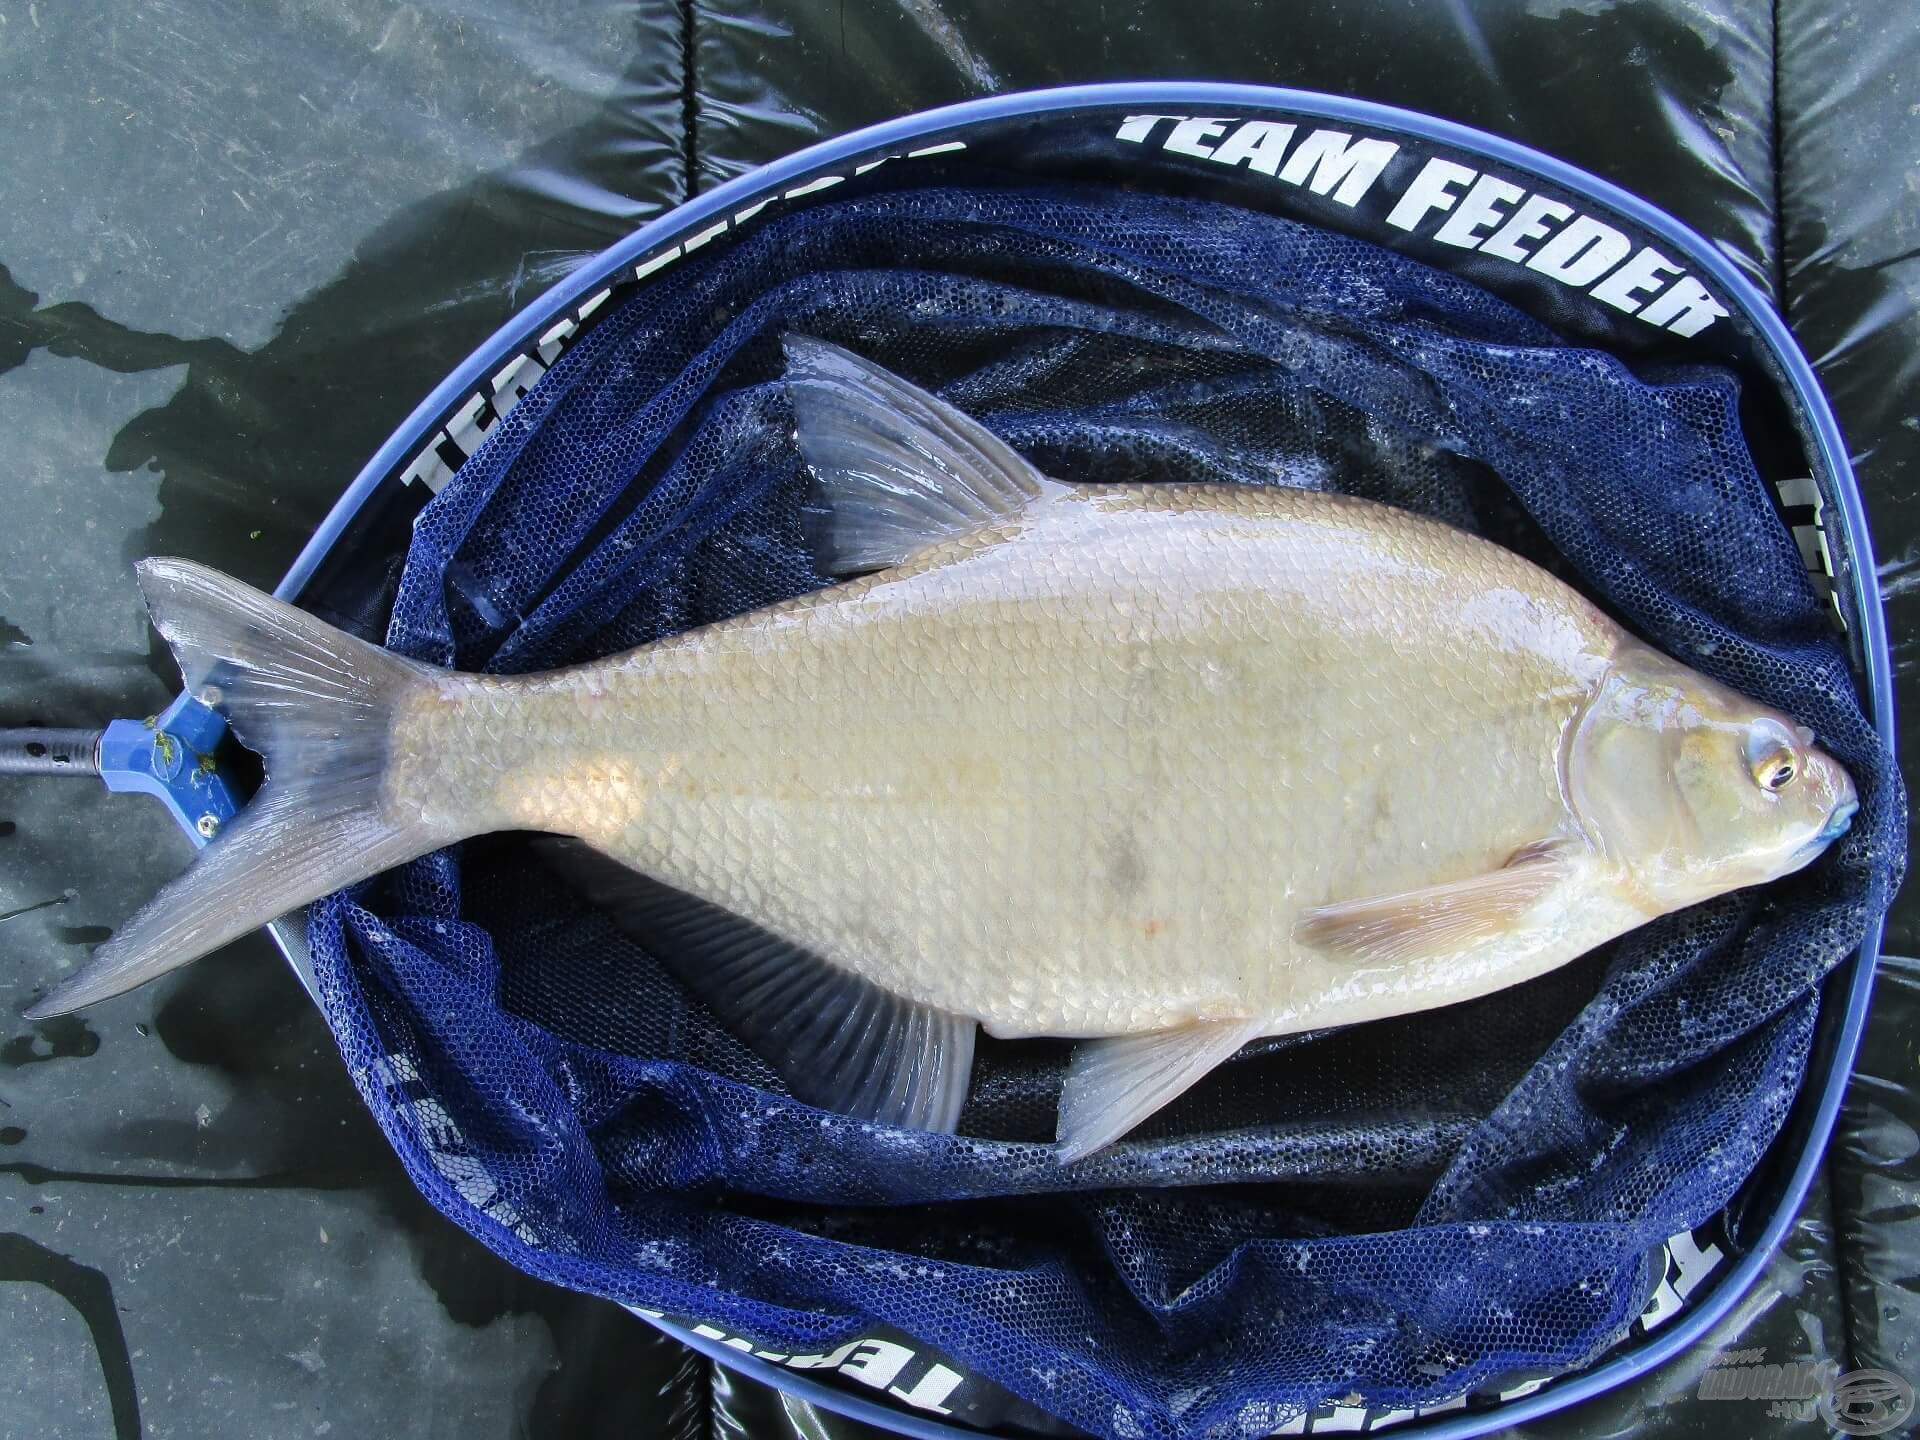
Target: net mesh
(1397, 1212)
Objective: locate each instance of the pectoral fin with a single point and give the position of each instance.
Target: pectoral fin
(1114, 1084)
(1389, 929)
(838, 1041)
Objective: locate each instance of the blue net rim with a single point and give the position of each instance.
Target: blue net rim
(1798, 1150)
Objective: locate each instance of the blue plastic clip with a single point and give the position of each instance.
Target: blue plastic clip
(172, 756)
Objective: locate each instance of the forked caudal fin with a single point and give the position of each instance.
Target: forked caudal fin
(316, 704)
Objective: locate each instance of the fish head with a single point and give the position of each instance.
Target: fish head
(1693, 789)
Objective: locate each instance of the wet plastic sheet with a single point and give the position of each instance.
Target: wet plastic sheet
(1414, 1220)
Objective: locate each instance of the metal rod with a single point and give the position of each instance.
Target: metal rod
(36, 751)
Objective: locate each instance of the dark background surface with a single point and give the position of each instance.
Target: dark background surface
(240, 240)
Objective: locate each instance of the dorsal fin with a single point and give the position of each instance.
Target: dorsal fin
(894, 468)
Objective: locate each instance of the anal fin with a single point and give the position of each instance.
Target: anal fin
(1115, 1083)
(1438, 919)
(841, 1043)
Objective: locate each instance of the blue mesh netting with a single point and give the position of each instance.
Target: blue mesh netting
(1399, 1211)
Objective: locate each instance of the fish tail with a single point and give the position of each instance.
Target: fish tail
(318, 706)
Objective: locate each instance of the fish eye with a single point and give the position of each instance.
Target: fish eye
(1771, 757)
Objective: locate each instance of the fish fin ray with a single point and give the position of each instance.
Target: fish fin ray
(840, 1042)
(894, 468)
(1391, 929)
(316, 704)
(1116, 1082)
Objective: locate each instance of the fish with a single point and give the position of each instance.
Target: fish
(1159, 768)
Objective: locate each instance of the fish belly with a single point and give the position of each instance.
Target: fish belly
(1081, 774)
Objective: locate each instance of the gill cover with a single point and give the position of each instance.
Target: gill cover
(1692, 789)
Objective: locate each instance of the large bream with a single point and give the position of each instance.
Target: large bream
(1162, 768)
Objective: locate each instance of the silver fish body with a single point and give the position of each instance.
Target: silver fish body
(1162, 768)
(1083, 772)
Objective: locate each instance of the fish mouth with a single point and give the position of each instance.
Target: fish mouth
(1837, 825)
(1838, 821)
